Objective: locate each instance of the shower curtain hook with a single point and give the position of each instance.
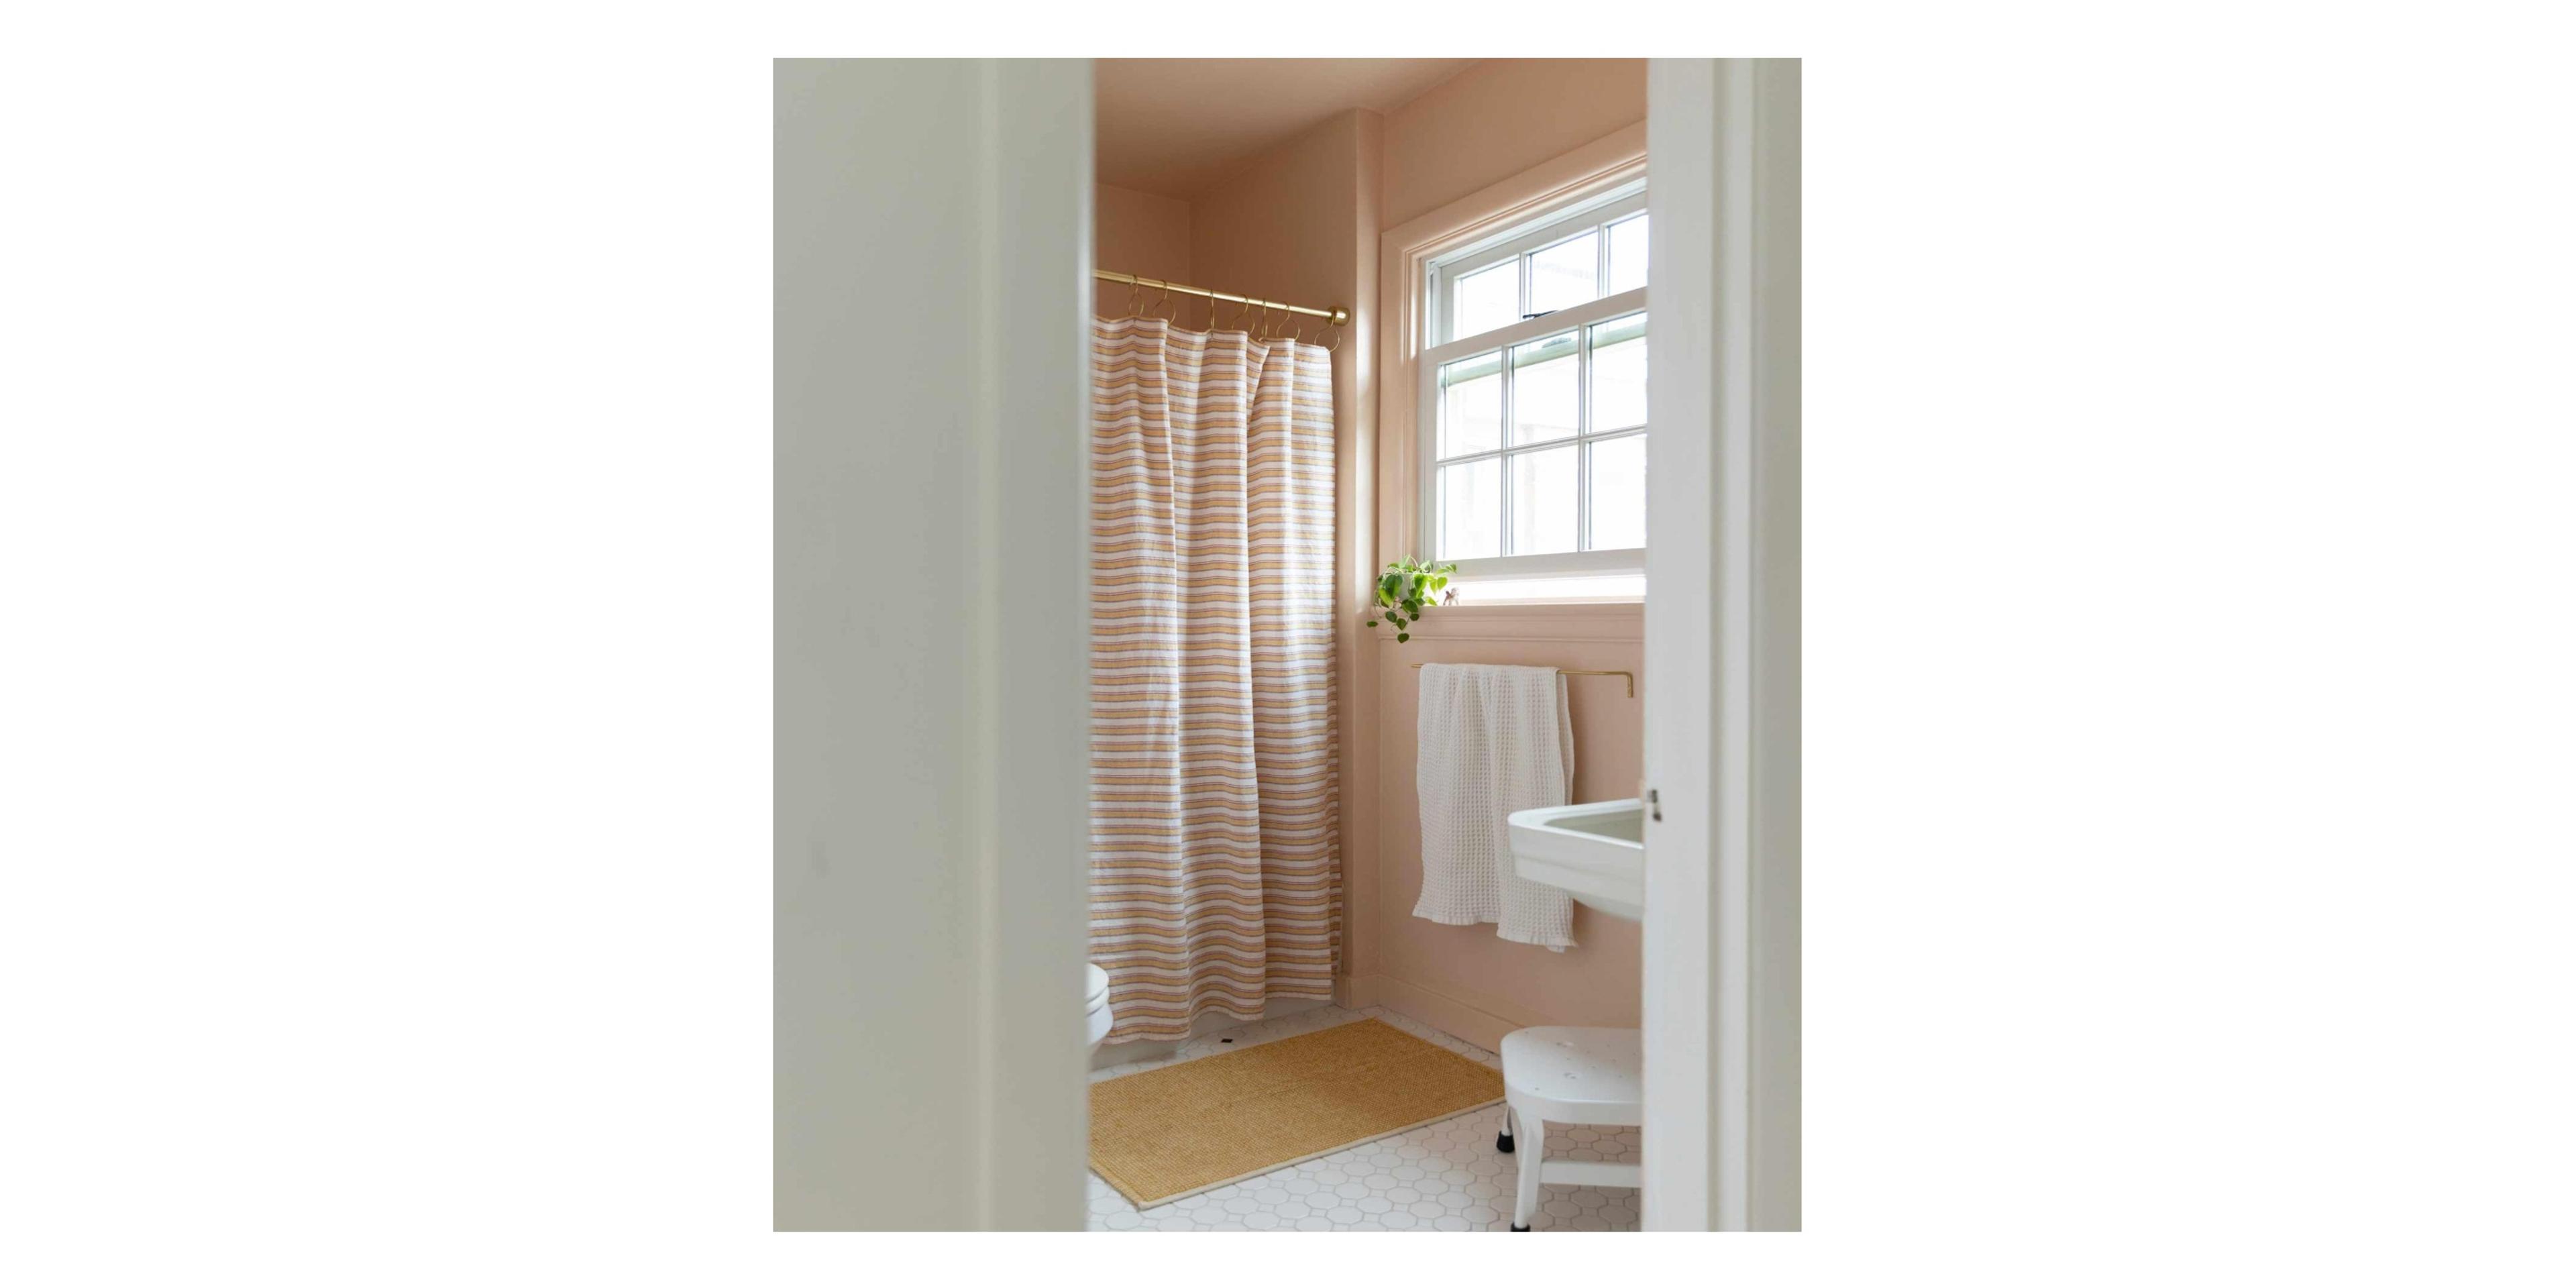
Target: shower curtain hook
(1165, 297)
(1131, 296)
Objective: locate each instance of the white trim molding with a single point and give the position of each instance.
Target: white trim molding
(931, 806)
(1583, 622)
(1721, 941)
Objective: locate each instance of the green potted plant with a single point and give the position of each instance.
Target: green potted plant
(1406, 588)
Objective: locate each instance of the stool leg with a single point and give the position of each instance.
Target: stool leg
(1533, 1151)
(1503, 1142)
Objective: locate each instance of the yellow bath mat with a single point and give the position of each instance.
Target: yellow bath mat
(1172, 1132)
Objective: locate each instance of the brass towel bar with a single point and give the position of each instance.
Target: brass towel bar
(1630, 676)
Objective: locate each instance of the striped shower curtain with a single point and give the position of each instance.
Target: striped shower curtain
(1215, 802)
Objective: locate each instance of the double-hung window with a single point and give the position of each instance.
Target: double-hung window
(1532, 406)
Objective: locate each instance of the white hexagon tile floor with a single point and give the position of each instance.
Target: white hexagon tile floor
(1443, 1176)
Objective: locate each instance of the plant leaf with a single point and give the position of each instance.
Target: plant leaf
(1401, 637)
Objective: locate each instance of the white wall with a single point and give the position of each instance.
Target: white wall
(1721, 943)
(931, 260)
(1775, 1167)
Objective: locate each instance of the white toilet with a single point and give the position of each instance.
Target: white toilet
(1095, 1003)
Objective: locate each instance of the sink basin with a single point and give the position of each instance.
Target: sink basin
(1595, 852)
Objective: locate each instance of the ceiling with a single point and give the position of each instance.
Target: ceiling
(1172, 126)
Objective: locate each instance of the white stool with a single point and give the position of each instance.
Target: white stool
(1582, 1077)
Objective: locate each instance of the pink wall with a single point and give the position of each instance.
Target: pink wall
(1464, 979)
(1301, 222)
(1479, 128)
(1501, 117)
(1289, 225)
(1139, 233)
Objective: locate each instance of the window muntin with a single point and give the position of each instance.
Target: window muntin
(1540, 444)
(1580, 255)
(1619, 373)
(1547, 484)
(1471, 411)
(1618, 500)
(1627, 269)
(1565, 274)
(1488, 299)
(1471, 509)
(1547, 389)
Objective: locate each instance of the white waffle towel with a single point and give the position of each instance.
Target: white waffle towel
(1492, 739)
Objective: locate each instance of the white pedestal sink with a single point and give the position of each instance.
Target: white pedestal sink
(1595, 852)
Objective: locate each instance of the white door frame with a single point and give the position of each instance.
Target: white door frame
(931, 817)
(931, 303)
(1721, 1137)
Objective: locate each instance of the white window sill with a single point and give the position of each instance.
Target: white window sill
(1594, 588)
(1638, 602)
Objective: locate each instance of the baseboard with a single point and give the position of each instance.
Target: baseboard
(1355, 992)
(1461, 1020)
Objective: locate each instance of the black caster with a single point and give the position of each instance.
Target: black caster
(1503, 1141)
(1520, 1229)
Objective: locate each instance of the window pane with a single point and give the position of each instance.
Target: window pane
(1471, 510)
(1486, 300)
(1471, 406)
(1619, 493)
(1627, 255)
(1619, 373)
(1544, 492)
(1546, 390)
(1565, 274)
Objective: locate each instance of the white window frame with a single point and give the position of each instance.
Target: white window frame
(1440, 280)
(1596, 171)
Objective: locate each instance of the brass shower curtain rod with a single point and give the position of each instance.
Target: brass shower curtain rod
(1336, 316)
